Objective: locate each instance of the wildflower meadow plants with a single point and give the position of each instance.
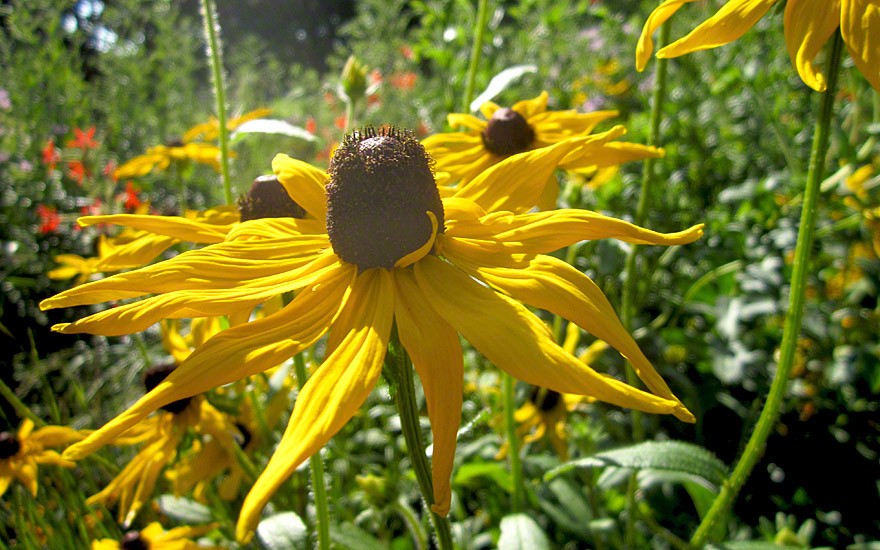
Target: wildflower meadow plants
(465, 288)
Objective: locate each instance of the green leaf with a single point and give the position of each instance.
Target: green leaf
(520, 532)
(494, 471)
(350, 537)
(676, 456)
(184, 509)
(500, 82)
(282, 531)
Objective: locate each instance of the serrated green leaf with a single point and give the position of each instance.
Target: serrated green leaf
(520, 532)
(676, 456)
(351, 537)
(184, 509)
(283, 531)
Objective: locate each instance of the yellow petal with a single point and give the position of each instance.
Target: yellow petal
(436, 353)
(236, 353)
(528, 108)
(543, 232)
(138, 166)
(181, 228)
(488, 108)
(516, 183)
(860, 29)
(304, 183)
(613, 154)
(468, 121)
(661, 13)
(515, 340)
(420, 252)
(551, 284)
(335, 391)
(808, 26)
(553, 126)
(461, 156)
(729, 23)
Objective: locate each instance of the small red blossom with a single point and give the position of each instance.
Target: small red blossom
(93, 209)
(406, 51)
(77, 171)
(375, 77)
(51, 155)
(83, 140)
(311, 125)
(422, 130)
(110, 169)
(49, 218)
(130, 196)
(373, 100)
(340, 122)
(404, 81)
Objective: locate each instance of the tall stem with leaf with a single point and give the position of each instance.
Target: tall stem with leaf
(806, 230)
(215, 55)
(476, 53)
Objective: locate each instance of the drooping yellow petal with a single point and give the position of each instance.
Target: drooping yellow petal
(139, 166)
(613, 154)
(181, 228)
(304, 183)
(551, 284)
(516, 183)
(55, 436)
(544, 232)
(661, 13)
(808, 26)
(553, 126)
(730, 22)
(335, 391)
(860, 29)
(436, 353)
(420, 252)
(515, 340)
(468, 121)
(238, 352)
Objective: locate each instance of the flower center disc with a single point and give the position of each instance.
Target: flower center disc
(507, 133)
(543, 398)
(157, 374)
(380, 190)
(133, 541)
(9, 445)
(268, 199)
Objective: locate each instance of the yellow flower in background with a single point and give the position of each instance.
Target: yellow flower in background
(528, 125)
(154, 537)
(210, 131)
(808, 26)
(159, 157)
(23, 451)
(859, 183)
(381, 248)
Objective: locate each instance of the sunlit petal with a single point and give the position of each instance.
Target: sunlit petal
(334, 392)
(859, 24)
(808, 26)
(304, 183)
(661, 13)
(181, 228)
(528, 108)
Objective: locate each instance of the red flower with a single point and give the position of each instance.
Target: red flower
(406, 51)
(404, 81)
(51, 155)
(375, 77)
(311, 125)
(339, 122)
(49, 218)
(77, 171)
(93, 209)
(130, 196)
(110, 169)
(83, 140)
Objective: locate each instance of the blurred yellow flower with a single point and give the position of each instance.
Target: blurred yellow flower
(21, 452)
(159, 157)
(210, 131)
(365, 260)
(808, 26)
(154, 537)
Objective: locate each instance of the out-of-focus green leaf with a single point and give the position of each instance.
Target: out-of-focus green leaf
(520, 532)
(282, 531)
(494, 471)
(184, 509)
(500, 82)
(350, 537)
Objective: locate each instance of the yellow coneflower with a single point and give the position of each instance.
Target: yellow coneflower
(154, 537)
(381, 248)
(22, 451)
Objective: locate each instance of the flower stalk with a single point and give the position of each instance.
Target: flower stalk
(399, 366)
(215, 55)
(769, 414)
(322, 516)
(508, 386)
(476, 53)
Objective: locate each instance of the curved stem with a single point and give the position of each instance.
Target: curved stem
(476, 52)
(322, 516)
(516, 473)
(215, 54)
(401, 370)
(758, 440)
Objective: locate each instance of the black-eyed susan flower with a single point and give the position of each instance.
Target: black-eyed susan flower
(154, 537)
(381, 248)
(526, 126)
(210, 131)
(160, 157)
(808, 26)
(23, 451)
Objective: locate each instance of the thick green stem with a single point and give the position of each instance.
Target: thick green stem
(215, 54)
(516, 473)
(322, 516)
(769, 414)
(629, 286)
(401, 371)
(476, 52)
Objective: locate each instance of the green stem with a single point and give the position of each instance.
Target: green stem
(21, 409)
(758, 440)
(401, 370)
(476, 52)
(516, 473)
(317, 466)
(629, 285)
(181, 185)
(215, 53)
